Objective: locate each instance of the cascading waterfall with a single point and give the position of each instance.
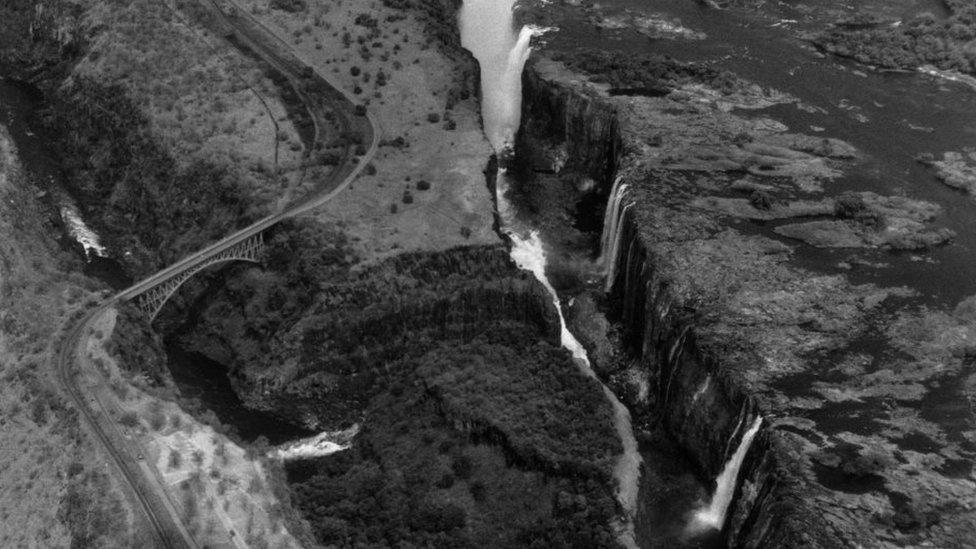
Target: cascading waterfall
(488, 32)
(612, 237)
(712, 516)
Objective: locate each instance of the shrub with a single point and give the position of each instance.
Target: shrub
(423, 185)
(407, 197)
(433, 118)
(288, 5)
(849, 206)
(761, 200)
(129, 419)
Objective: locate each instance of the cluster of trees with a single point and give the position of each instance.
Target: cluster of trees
(948, 44)
(437, 17)
(413, 479)
(91, 512)
(454, 361)
(440, 30)
(141, 199)
(137, 347)
(648, 74)
(548, 416)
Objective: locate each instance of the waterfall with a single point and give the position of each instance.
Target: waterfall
(613, 225)
(488, 32)
(712, 516)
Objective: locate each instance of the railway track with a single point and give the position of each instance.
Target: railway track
(316, 92)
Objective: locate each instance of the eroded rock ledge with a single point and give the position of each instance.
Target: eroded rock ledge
(719, 322)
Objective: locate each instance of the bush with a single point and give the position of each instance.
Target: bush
(423, 185)
(129, 419)
(761, 200)
(433, 118)
(849, 206)
(288, 5)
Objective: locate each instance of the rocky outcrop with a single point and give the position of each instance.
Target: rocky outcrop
(576, 131)
(723, 325)
(705, 404)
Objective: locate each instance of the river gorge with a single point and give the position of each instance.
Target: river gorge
(638, 273)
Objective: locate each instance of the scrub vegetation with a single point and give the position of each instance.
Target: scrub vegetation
(171, 137)
(948, 44)
(647, 74)
(451, 363)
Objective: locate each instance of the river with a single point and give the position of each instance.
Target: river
(488, 32)
(891, 117)
(20, 106)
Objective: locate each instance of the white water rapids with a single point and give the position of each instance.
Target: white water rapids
(323, 444)
(79, 231)
(488, 32)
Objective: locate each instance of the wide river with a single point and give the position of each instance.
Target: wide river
(890, 117)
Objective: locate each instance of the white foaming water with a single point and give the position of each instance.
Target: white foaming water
(80, 231)
(701, 390)
(488, 32)
(612, 237)
(713, 515)
(529, 254)
(322, 444)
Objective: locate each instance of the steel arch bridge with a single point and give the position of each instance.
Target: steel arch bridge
(152, 296)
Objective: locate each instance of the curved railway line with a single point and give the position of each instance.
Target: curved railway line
(320, 96)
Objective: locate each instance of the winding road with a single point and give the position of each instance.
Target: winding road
(320, 94)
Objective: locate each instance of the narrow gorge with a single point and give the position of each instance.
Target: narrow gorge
(641, 274)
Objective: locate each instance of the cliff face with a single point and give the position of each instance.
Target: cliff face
(706, 406)
(574, 129)
(723, 326)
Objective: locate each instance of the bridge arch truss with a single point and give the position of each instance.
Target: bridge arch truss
(152, 299)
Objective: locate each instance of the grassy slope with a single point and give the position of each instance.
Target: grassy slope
(163, 126)
(53, 489)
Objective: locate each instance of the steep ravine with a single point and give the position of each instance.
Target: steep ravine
(699, 401)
